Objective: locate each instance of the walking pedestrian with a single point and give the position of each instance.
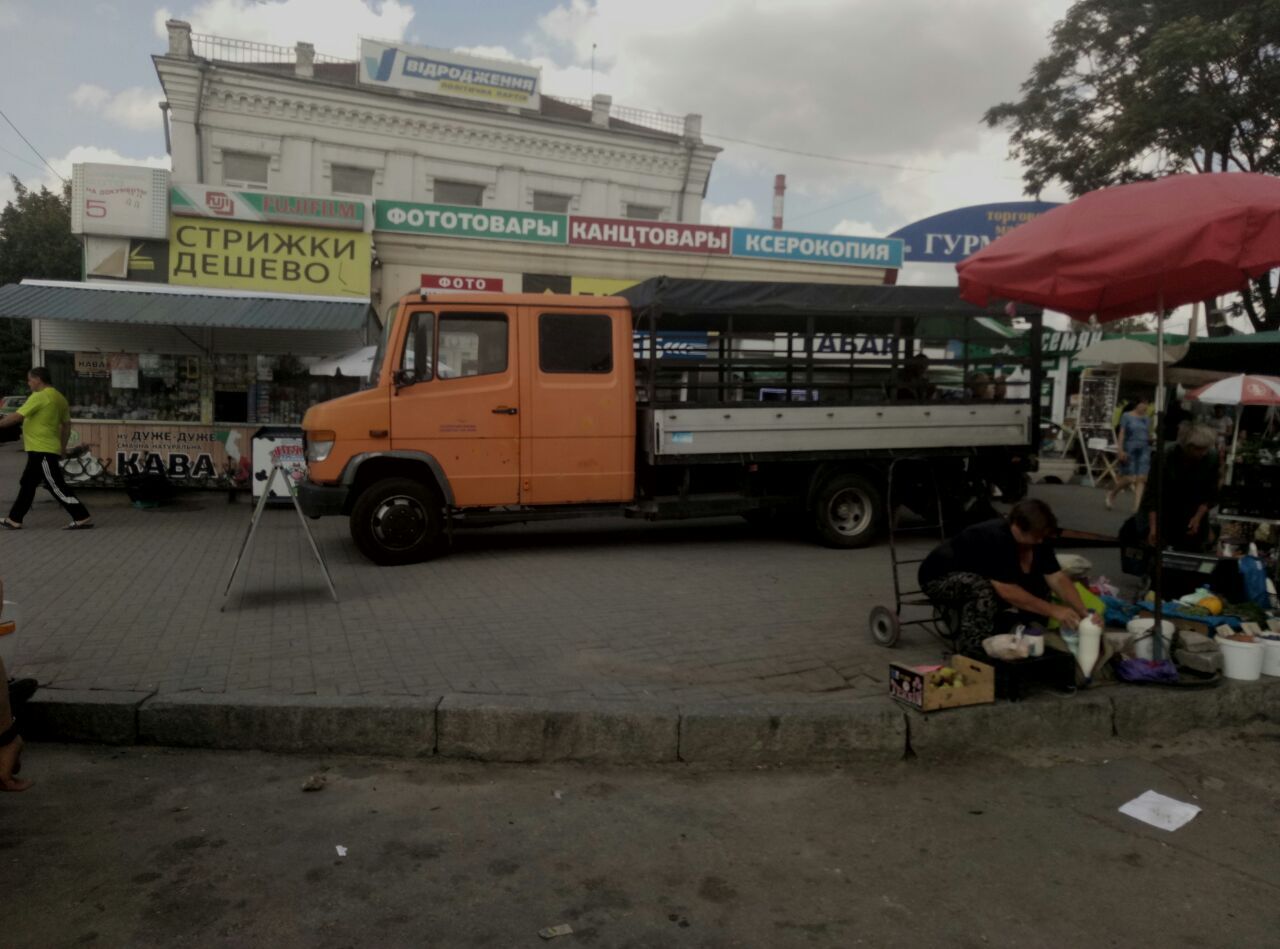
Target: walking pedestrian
(46, 426)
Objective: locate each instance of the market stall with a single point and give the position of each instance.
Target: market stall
(175, 381)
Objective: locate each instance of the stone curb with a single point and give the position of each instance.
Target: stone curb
(531, 729)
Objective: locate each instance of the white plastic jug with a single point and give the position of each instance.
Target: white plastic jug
(1270, 656)
(1090, 633)
(8, 634)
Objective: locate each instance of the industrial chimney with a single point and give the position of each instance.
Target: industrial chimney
(779, 189)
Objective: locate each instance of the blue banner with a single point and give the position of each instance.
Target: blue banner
(817, 248)
(951, 236)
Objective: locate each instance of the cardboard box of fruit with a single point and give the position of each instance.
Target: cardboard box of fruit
(962, 681)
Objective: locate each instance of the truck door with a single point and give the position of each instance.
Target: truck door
(462, 406)
(578, 405)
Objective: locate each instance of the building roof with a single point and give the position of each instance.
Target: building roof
(179, 306)
(552, 107)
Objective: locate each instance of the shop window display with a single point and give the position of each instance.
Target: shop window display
(244, 388)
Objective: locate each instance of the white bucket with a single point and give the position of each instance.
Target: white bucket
(1144, 641)
(1271, 657)
(8, 635)
(1241, 660)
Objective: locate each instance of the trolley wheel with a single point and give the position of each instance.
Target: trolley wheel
(885, 626)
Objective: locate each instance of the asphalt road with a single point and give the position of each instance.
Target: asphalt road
(155, 847)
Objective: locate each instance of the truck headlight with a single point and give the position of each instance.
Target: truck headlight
(319, 444)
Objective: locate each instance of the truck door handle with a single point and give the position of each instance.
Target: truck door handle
(504, 410)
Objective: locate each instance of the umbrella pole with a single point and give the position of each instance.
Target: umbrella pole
(1157, 571)
(1235, 440)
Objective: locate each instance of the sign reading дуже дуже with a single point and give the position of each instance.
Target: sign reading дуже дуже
(625, 234)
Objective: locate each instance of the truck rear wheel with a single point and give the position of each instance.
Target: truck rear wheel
(398, 521)
(848, 511)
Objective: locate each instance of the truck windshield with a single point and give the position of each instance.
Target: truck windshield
(375, 370)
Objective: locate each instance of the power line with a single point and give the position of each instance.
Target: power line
(839, 158)
(30, 146)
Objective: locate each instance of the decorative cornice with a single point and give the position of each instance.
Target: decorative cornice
(545, 141)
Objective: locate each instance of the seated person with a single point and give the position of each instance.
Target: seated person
(996, 565)
(979, 386)
(913, 381)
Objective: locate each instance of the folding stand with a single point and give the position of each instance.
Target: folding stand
(253, 526)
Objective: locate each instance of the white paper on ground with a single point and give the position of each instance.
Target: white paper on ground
(1155, 809)
(342, 851)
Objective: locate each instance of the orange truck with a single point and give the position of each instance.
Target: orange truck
(676, 399)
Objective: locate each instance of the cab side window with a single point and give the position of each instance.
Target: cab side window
(418, 361)
(472, 344)
(575, 342)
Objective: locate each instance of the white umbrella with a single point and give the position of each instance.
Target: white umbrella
(1239, 390)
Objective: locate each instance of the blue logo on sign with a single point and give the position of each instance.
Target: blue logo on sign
(380, 69)
(818, 248)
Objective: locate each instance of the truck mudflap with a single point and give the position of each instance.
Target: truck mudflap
(321, 500)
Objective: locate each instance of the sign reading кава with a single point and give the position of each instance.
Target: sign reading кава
(243, 255)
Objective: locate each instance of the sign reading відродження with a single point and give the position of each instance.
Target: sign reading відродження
(408, 217)
(348, 214)
(444, 72)
(648, 235)
(244, 255)
(817, 248)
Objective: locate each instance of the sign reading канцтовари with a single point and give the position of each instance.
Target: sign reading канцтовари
(348, 214)
(444, 72)
(648, 235)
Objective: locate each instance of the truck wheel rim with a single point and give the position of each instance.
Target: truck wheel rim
(849, 512)
(399, 522)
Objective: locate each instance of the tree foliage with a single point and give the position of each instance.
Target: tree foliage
(1136, 89)
(35, 241)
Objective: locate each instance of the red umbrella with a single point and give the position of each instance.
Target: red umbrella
(1137, 248)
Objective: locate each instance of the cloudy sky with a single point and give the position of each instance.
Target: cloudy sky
(870, 107)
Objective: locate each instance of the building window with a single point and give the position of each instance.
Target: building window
(644, 212)
(553, 203)
(575, 343)
(460, 193)
(349, 180)
(244, 170)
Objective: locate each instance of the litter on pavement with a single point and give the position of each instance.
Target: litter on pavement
(1156, 809)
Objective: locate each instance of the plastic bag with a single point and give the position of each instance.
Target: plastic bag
(1255, 581)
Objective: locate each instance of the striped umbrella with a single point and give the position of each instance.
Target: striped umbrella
(1240, 390)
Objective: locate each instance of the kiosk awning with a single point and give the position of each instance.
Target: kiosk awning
(179, 306)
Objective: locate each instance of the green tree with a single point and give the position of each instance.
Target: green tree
(35, 241)
(1135, 89)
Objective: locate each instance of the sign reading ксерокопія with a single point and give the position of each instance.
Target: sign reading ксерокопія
(444, 72)
(348, 214)
(546, 228)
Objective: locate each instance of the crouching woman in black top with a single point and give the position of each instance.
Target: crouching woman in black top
(997, 565)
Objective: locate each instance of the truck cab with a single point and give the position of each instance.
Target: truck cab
(478, 402)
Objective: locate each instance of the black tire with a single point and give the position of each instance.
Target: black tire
(848, 511)
(885, 626)
(398, 521)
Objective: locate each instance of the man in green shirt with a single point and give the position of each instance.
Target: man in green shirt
(46, 425)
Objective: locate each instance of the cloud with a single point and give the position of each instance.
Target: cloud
(77, 155)
(889, 82)
(741, 213)
(334, 30)
(135, 108)
(852, 228)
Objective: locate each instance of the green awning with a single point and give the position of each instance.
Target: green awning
(1241, 352)
(160, 305)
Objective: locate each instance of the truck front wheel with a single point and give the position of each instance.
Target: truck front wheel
(398, 521)
(848, 511)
